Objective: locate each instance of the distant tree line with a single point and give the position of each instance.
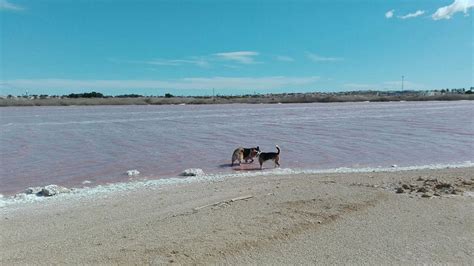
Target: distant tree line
(86, 95)
(100, 95)
(94, 94)
(129, 96)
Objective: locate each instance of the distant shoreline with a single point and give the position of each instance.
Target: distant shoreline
(248, 99)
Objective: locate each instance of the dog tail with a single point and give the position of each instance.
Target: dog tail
(278, 148)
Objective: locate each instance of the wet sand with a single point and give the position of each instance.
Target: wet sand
(294, 219)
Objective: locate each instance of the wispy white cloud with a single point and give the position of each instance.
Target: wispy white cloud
(284, 58)
(240, 57)
(319, 58)
(197, 61)
(269, 82)
(243, 57)
(161, 62)
(413, 15)
(6, 5)
(178, 62)
(389, 13)
(446, 12)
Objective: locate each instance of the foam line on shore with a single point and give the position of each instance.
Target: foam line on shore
(107, 190)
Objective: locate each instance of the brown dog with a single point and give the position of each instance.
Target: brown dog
(237, 155)
(250, 153)
(246, 154)
(274, 156)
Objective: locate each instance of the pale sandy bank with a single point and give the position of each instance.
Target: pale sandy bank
(295, 219)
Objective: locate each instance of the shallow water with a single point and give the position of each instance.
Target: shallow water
(68, 145)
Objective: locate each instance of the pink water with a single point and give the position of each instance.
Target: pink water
(68, 145)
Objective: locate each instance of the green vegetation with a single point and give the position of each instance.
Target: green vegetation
(95, 98)
(86, 95)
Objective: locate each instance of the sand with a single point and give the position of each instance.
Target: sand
(293, 219)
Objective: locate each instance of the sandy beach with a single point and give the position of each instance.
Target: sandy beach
(350, 218)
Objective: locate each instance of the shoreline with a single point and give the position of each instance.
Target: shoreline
(301, 218)
(209, 100)
(98, 190)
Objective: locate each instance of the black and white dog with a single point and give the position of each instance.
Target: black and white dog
(265, 156)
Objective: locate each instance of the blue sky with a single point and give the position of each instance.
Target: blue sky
(191, 47)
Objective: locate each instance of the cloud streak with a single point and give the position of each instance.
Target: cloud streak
(319, 58)
(8, 6)
(446, 12)
(237, 58)
(389, 13)
(242, 57)
(178, 62)
(270, 82)
(413, 15)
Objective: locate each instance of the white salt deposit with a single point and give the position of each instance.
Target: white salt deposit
(52, 190)
(133, 172)
(193, 172)
(103, 191)
(33, 190)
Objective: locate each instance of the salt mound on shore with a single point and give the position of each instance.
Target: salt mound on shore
(193, 172)
(33, 190)
(52, 190)
(133, 172)
(47, 191)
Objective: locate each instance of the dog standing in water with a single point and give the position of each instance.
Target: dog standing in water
(237, 155)
(265, 156)
(250, 153)
(246, 154)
